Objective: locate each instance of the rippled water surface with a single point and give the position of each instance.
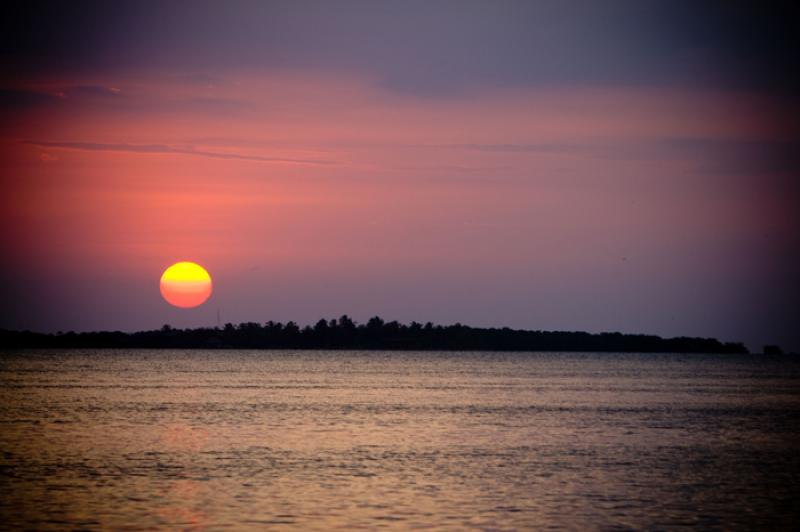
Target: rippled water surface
(319, 440)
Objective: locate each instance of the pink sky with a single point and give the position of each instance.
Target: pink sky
(574, 208)
(621, 181)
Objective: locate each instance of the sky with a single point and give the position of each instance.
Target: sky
(558, 165)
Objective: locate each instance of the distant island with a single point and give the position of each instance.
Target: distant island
(344, 333)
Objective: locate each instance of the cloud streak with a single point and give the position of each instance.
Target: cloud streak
(167, 149)
(727, 156)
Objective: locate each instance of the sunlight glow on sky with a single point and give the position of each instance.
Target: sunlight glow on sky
(565, 165)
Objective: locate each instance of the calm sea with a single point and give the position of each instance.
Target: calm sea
(308, 440)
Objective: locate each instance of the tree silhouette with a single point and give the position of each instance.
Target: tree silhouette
(345, 333)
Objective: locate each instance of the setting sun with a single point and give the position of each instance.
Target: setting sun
(185, 285)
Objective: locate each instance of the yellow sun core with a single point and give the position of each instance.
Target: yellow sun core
(185, 285)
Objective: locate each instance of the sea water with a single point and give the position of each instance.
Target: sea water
(213, 440)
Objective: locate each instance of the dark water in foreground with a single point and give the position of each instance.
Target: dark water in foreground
(319, 440)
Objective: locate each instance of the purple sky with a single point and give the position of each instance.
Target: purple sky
(603, 166)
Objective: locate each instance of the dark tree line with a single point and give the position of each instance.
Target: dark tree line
(344, 333)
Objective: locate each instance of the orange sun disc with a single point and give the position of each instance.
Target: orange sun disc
(185, 285)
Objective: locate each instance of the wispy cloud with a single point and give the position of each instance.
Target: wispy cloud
(111, 98)
(521, 148)
(21, 99)
(720, 155)
(165, 148)
(91, 91)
